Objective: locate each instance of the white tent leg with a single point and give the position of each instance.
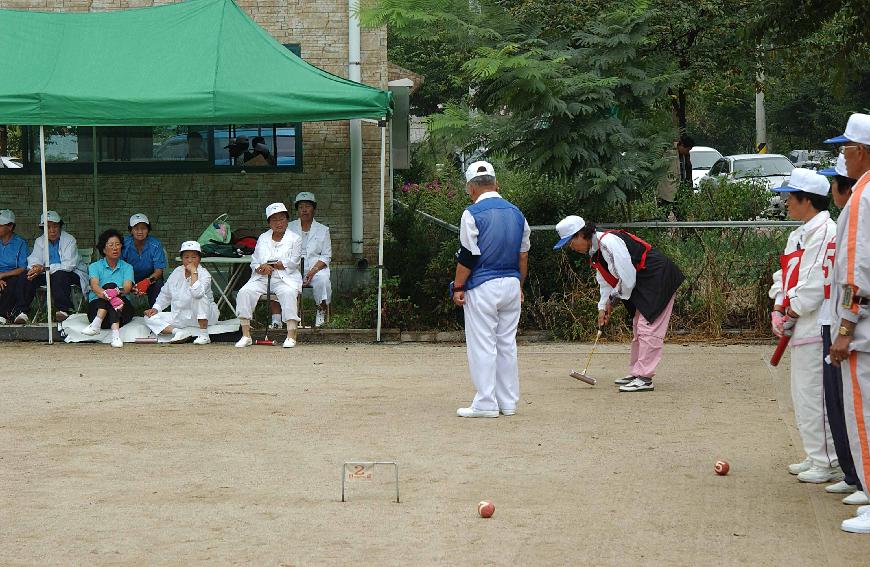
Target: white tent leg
(48, 305)
(383, 125)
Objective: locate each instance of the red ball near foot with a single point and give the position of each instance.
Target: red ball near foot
(486, 509)
(721, 468)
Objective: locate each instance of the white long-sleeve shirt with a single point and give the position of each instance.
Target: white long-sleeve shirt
(288, 251)
(468, 231)
(618, 259)
(316, 244)
(177, 292)
(808, 294)
(70, 259)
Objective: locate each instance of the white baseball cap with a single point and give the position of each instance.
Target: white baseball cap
(857, 130)
(189, 245)
(567, 228)
(7, 216)
(52, 217)
(805, 180)
(839, 169)
(137, 218)
(479, 168)
(275, 208)
(304, 196)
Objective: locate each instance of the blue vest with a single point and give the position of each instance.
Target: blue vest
(500, 235)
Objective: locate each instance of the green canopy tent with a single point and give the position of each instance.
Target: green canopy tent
(200, 62)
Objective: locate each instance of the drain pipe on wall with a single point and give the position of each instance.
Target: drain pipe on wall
(356, 192)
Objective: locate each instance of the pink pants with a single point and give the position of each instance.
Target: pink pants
(649, 338)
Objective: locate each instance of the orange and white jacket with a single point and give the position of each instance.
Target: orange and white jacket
(852, 264)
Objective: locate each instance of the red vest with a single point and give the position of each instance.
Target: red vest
(596, 262)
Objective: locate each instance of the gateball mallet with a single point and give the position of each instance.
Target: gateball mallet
(582, 376)
(265, 340)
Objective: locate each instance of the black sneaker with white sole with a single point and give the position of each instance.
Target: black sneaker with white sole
(639, 384)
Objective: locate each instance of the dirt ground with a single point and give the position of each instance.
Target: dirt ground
(184, 455)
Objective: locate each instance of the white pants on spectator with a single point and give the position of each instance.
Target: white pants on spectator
(492, 313)
(250, 293)
(321, 287)
(184, 316)
(808, 397)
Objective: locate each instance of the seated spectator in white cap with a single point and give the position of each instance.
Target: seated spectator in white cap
(274, 265)
(316, 252)
(13, 263)
(145, 253)
(64, 264)
(188, 294)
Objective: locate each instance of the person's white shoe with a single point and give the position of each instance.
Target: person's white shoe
(471, 412)
(244, 342)
(508, 412)
(857, 525)
(22, 319)
(320, 318)
(90, 331)
(819, 475)
(798, 468)
(841, 487)
(862, 510)
(624, 381)
(638, 385)
(180, 335)
(857, 498)
(289, 342)
(117, 342)
(202, 340)
(2, 320)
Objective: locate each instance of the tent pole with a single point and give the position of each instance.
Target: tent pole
(383, 125)
(96, 188)
(45, 234)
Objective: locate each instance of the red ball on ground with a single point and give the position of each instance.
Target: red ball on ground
(485, 509)
(722, 467)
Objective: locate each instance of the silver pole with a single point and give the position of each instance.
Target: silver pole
(761, 146)
(47, 272)
(383, 126)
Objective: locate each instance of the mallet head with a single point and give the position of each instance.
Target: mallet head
(583, 377)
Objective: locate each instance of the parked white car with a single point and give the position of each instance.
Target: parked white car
(10, 163)
(773, 169)
(702, 159)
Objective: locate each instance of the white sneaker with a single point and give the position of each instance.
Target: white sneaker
(638, 385)
(90, 331)
(857, 525)
(244, 342)
(22, 319)
(180, 335)
(202, 340)
(798, 468)
(320, 318)
(862, 510)
(289, 342)
(508, 412)
(819, 475)
(623, 381)
(471, 412)
(2, 320)
(841, 487)
(857, 498)
(117, 342)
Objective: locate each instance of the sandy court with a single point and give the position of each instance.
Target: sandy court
(210, 455)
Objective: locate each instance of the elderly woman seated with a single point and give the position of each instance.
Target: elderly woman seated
(188, 293)
(145, 253)
(111, 280)
(316, 252)
(275, 266)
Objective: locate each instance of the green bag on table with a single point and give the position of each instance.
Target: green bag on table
(218, 231)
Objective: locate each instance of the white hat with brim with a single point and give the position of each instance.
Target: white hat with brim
(304, 196)
(53, 216)
(478, 169)
(137, 218)
(857, 130)
(7, 216)
(567, 228)
(275, 208)
(190, 246)
(805, 180)
(838, 169)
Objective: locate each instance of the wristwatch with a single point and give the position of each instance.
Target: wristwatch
(844, 331)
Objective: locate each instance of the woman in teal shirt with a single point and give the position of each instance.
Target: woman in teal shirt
(107, 274)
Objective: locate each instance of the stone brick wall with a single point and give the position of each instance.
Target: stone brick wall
(180, 205)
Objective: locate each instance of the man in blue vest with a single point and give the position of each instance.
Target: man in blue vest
(492, 264)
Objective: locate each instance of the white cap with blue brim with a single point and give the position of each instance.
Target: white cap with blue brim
(567, 228)
(838, 169)
(857, 130)
(805, 180)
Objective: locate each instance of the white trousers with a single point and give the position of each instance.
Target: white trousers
(321, 287)
(250, 293)
(808, 398)
(856, 402)
(188, 317)
(492, 312)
